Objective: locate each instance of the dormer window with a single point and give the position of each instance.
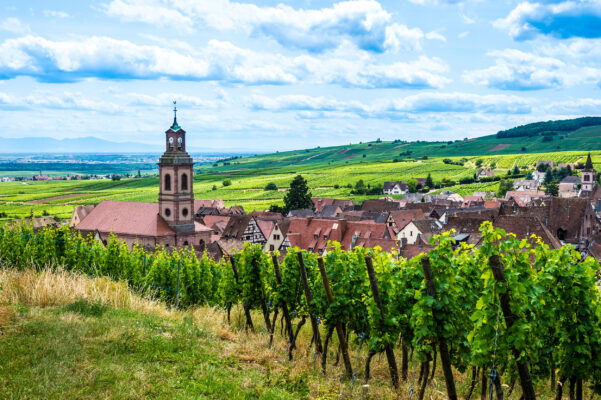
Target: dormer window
(315, 236)
(325, 237)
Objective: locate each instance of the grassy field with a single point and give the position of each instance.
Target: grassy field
(68, 336)
(57, 198)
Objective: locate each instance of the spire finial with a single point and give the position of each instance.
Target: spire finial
(175, 126)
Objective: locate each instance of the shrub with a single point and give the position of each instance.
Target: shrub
(226, 182)
(271, 186)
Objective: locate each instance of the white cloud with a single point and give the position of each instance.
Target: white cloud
(107, 58)
(435, 36)
(363, 22)
(467, 19)
(560, 19)
(150, 12)
(164, 99)
(428, 103)
(14, 25)
(53, 100)
(55, 14)
(518, 70)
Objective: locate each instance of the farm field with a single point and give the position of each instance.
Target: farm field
(57, 198)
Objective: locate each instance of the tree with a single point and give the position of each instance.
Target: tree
(412, 183)
(479, 163)
(529, 175)
(504, 186)
(298, 197)
(226, 182)
(548, 177)
(271, 186)
(214, 187)
(276, 208)
(552, 189)
(516, 170)
(429, 181)
(116, 177)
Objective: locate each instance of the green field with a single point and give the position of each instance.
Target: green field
(249, 177)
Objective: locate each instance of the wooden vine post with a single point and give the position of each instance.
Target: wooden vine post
(442, 345)
(394, 372)
(249, 321)
(309, 297)
(278, 279)
(524, 373)
(339, 329)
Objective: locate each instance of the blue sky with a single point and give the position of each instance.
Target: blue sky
(275, 75)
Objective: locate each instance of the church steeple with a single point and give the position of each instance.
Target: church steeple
(589, 175)
(589, 163)
(176, 195)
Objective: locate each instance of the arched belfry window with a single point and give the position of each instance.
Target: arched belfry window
(167, 182)
(184, 181)
(171, 143)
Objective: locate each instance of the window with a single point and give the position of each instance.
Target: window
(167, 212)
(184, 182)
(185, 212)
(276, 237)
(186, 243)
(201, 243)
(586, 178)
(167, 184)
(180, 143)
(104, 242)
(271, 247)
(410, 233)
(171, 143)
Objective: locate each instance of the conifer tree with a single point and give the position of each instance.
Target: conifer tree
(298, 197)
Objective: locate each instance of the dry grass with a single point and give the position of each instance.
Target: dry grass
(6, 316)
(59, 288)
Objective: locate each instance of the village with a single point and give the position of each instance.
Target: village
(568, 214)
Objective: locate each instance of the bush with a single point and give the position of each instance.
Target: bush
(214, 187)
(226, 182)
(271, 186)
(336, 186)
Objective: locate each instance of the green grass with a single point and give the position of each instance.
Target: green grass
(79, 351)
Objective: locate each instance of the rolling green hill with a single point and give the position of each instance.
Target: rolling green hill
(582, 139)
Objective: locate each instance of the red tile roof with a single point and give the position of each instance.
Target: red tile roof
(126, 218)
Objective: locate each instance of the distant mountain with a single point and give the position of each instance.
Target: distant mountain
(76, 145)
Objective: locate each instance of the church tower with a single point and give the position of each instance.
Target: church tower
(588, 176)
(176, 197)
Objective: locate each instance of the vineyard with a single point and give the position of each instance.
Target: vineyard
(58, 198)
(513, 315)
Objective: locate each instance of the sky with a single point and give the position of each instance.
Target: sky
(276, 75)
